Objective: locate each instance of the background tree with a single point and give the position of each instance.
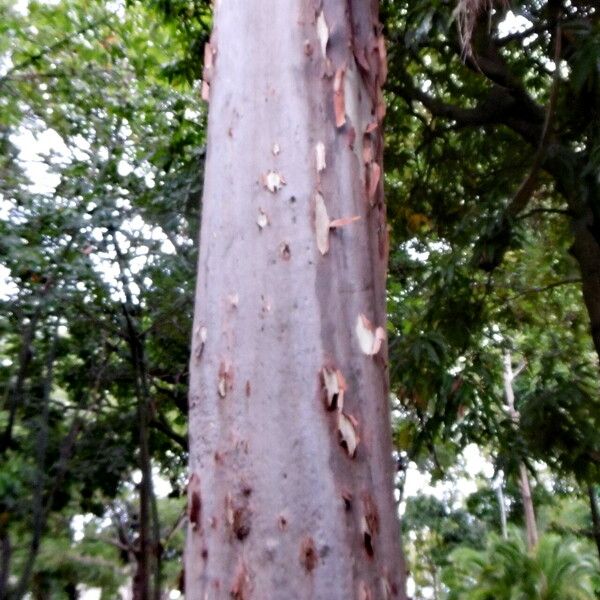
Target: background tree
(94, 358)
(488, 250)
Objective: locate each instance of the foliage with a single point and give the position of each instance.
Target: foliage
(476, 266)
(95, 224)
(506, 571)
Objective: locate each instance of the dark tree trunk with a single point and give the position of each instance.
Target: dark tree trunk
(38, 510)
(290, 494)
(595, 516)
(586, 250)
(5, 555)
(147, 577)
(16, 389)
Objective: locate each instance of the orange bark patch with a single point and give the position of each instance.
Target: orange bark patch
(374, 177)
(364, 593)
(382, 52)
(194, 502)
(337, 223)
(238, 516)
(339, 102)
(369, 524)
(361, 58)
(308, 554)
(240, 590)
(323, 224)
(207, 72)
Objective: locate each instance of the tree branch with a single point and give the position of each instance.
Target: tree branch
(26, 62)
(545, 288)
(557, 211)
(529, 184)
(161, 425)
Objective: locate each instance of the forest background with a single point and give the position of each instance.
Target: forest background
(492, 158)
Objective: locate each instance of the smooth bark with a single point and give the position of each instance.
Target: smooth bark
(281, 505)
(524, 486)
(502, 506)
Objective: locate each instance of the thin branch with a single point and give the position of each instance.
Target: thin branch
(529, 184)
(556, 211)
(114, 543)
(537, 290)
(180, 521)
(161, 425)
(519, 369)
(26, 62)
(484, 114)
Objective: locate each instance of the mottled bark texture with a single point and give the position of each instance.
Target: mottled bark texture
(290, 493)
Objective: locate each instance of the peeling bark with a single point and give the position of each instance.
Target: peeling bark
(320, 520)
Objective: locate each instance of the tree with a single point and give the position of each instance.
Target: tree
(502, 234)
(536, 92)
(290, 492)
(432, 529)
(505, 570)
(93, 358)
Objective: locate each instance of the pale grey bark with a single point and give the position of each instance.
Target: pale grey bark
(278, 507)
(502, 506)
(524, 486)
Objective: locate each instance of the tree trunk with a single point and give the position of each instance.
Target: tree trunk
(290, 492)
(528, 510)
(147, 578)
(595, 515)
(586, 250)
(16, 389)
(502, 506)
(38, 513)
(5, 555)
